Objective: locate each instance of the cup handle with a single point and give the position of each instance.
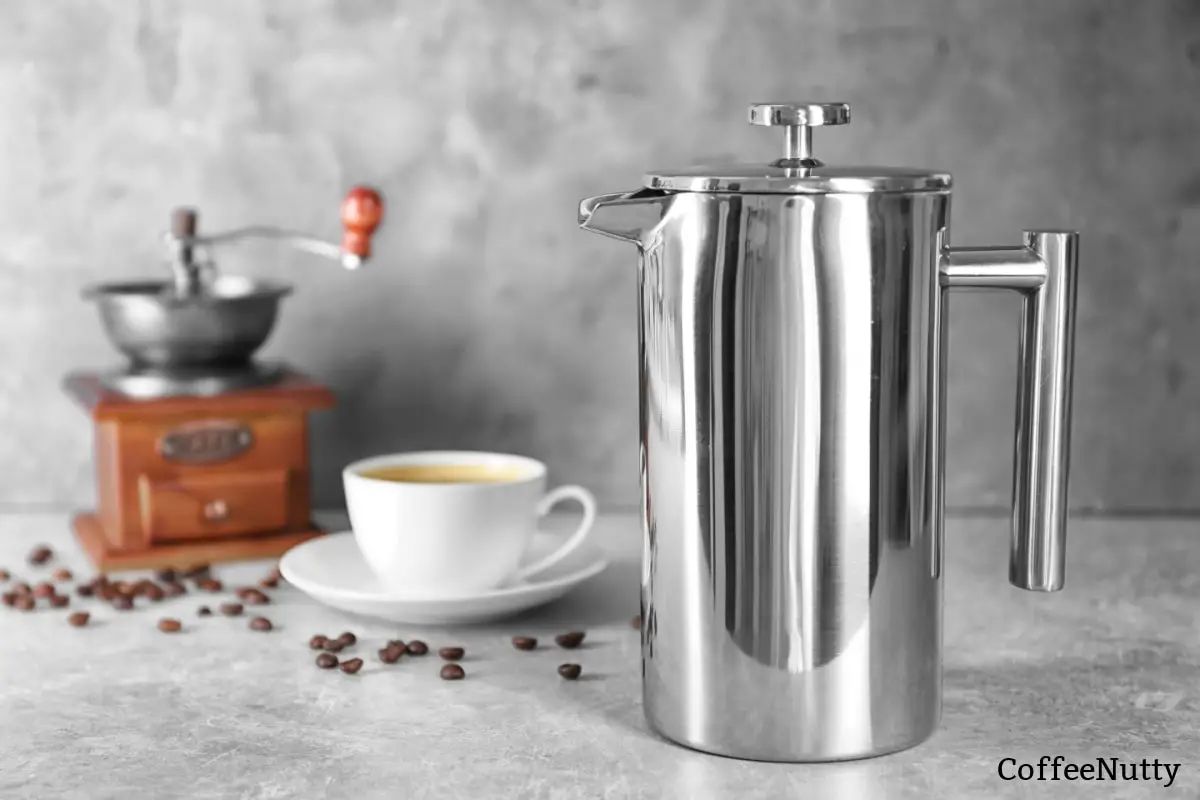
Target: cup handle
(553, 498)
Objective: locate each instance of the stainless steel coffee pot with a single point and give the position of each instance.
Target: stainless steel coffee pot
(792, 419)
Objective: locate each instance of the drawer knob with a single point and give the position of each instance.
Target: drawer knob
(216, 511)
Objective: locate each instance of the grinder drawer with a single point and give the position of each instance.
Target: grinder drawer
(204, 506)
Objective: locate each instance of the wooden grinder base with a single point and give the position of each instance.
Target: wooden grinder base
(147, 514)
(248, 548)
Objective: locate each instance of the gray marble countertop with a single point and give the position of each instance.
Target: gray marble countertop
(1108, 668)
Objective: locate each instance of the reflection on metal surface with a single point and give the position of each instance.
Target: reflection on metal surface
(148, 382)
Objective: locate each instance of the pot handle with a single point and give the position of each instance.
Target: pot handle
(1044, 271)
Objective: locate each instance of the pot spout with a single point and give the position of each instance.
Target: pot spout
(623, 215)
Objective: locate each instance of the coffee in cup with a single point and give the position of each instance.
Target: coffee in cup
(444, 473)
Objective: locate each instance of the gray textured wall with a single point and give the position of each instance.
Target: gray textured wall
(489, 321)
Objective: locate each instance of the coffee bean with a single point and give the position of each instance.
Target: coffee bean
(122, 603)
(570, 671)
(347, 639)
(78, 619)
(9, 599)
(4, 575)
(174, 589)
(167, 575)
(416, 648)
(271, 579)
(452, 672)
(40, 555)
(44, 589)
(636, 622)
(251, 596)
(63, 574)
(196, 572)
(327, 661)
(261, 624)
(231, 609)
(125, 589)
(204, 611)
(153, 592)
(25, 602)
(352, 666)
(85, 590)
(168, 625)
(21, 588)
(524, 643)
(317, 642)
(396, 643)
(332, 646)
(391, 654)
(569, 640)
(59, 601)
(209, 585)
(451, 653)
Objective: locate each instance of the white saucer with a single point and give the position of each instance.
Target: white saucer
(331, 569)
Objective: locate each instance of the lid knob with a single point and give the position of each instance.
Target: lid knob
(798, 120)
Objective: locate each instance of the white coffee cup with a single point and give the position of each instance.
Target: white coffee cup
(460, 536)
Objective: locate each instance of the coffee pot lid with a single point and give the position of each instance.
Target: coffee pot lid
(798, 171)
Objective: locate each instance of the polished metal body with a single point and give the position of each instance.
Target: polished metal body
(792, 346)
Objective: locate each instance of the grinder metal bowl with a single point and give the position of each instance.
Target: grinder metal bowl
(157, 327)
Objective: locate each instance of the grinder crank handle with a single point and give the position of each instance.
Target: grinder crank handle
(361, 213)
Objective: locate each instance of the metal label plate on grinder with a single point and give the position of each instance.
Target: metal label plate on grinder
(205, 442)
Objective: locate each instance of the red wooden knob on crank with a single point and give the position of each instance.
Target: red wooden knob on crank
(362, 211)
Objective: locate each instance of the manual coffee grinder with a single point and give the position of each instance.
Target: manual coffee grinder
(201, 450)
(792, 370)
